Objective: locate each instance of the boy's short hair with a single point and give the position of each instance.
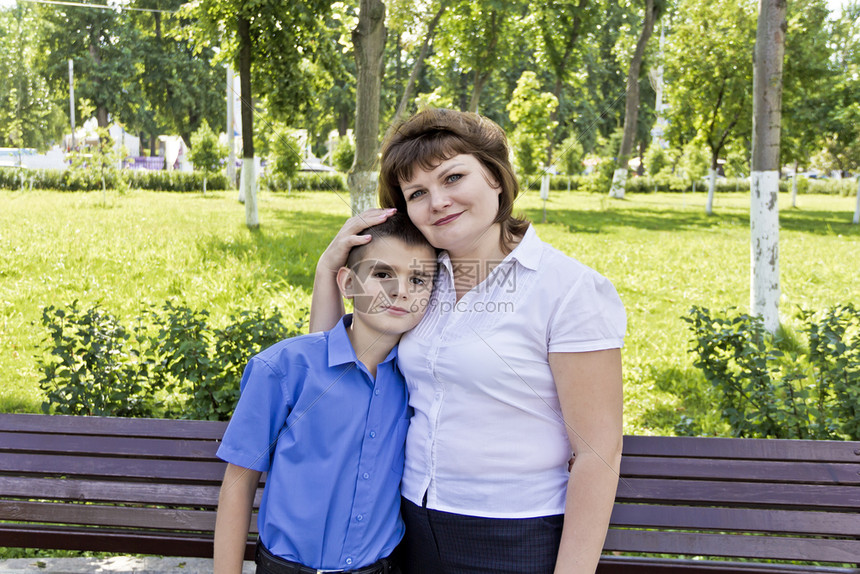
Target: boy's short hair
(398, 226)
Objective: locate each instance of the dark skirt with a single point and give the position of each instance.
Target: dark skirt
(439, 542)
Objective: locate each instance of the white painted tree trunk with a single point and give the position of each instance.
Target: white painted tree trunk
(856, 219)
(794, 187)
(764, 248)
(249, 190)
(765, 164)
(204, 185)
(712, 186)
(362, 190)
(619, 181)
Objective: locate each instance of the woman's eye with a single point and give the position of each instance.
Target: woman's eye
(416, 194)
(453, 177)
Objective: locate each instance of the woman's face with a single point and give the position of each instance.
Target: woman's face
(454, 205)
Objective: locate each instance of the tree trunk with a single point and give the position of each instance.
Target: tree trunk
(368, 40)
(248, 189)
(856, 219)
(416, 68)
(794, 185)
(631, 112)
(764, 208)
(712, 186)
(477, 88)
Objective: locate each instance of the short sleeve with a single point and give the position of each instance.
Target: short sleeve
(250, 438)
(591, 317)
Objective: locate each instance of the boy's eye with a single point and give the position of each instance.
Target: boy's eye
(381, 274)
(418, 281)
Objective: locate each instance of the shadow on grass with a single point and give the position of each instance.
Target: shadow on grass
(817, 222)
(286, 247)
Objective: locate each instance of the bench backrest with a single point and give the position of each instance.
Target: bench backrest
(741, 498)
(144, 485)
(151, 486)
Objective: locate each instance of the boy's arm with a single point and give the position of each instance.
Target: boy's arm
(233, 520)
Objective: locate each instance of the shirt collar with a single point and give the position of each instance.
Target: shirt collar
(527, 252)
(340, 349)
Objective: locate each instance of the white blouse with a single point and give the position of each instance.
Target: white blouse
(487, 437)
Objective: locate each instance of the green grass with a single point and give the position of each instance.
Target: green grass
(661, 251)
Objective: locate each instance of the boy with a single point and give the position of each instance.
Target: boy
(325, 415)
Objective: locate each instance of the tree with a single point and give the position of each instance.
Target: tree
(530, 110)
(285, 156)
(179, 82)
(842, 139)
(368, 39)
(631, 109)
(277, 43)
(206, 153)
(764, 180)
(28, 115)
(419, 62)
(477, 37)
(709, 83)
(808, 79)
(98, 40)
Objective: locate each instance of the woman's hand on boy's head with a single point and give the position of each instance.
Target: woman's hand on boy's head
(334, 257)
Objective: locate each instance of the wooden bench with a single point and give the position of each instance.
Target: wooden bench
(771, 499)
(151, 487)
(141, 486)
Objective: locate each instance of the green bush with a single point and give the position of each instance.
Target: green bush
(556, 182)
(93, 367)
(85, 180)
(309, 181)
(773, 387)
(343, 155)
(843, 187)
(173, 364)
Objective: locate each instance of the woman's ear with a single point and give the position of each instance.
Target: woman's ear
(345, 282)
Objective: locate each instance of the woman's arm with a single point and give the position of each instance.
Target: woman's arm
(233, 519)
(590, 393)
(326, 302)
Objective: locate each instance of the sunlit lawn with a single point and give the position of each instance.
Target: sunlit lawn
(661, 251)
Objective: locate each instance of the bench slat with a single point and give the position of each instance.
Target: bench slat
(726, 493)
(33, 443)
(83, 490)
(112, 426)
(733, 545)
(736, 519)
(637, 564)
(746, 470)
(749, 448)
(105, 540)
(135, 468)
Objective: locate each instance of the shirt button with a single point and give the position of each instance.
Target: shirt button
(365, 476)
(376, 392)
(348, 560)
(373, 434)
(360, 517)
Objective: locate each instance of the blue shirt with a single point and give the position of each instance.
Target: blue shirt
(331, 439)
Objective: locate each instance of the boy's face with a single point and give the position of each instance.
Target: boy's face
(390, 286)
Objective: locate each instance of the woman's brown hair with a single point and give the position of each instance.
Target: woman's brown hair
(434, 135)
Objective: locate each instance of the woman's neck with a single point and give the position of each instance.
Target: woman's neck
(471, 267)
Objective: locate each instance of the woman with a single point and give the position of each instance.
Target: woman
(515, 366)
